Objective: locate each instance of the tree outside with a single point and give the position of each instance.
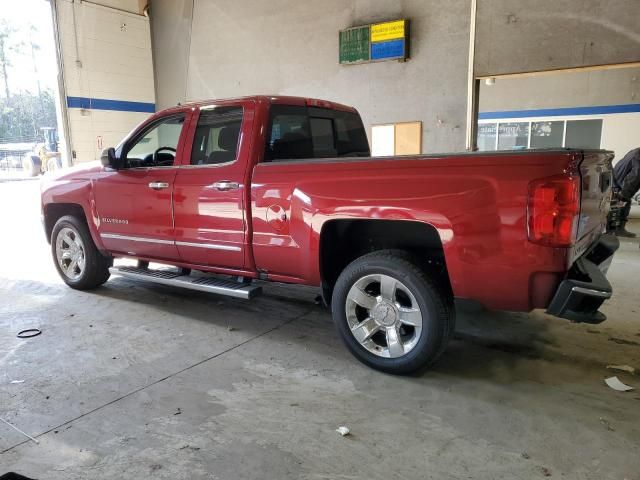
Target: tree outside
(22, 112)
(29, 141)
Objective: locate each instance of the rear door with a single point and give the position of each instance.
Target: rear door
(296, 133)
(135, 202)
(209, 195)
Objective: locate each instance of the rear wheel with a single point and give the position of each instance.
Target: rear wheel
(389, 312)
(78, 261)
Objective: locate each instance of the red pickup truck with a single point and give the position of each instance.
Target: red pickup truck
(284, 189)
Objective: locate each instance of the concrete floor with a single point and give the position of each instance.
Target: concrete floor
(141, 381)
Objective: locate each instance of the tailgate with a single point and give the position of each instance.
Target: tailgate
(596, 176)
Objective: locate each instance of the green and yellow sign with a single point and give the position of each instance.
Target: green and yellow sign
(375, 42)
(354, 45)
(381, 32)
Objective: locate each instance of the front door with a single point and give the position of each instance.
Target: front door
(209, 193)
(134, 202)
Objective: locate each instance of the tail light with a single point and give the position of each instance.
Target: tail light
(553, 210)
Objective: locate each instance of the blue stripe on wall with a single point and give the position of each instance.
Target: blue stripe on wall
(561, 112)
(104, 104)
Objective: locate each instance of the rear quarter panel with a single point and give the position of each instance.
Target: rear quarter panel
(476, 202)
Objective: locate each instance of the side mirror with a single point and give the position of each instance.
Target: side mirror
(109, 158)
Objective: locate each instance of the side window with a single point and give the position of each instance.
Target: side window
(290, 135)
(157, 146)
(217, 135)
(322, 133)
(301, 132)
(351, 137)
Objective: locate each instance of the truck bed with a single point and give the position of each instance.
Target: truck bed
(477, 202)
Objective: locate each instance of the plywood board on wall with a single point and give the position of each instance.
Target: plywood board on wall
(408, 138)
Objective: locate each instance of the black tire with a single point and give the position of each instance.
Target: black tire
(438, 319)
(96, 266)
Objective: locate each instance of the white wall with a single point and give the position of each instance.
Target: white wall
(171, 36)
(289, 47)
(621, 133)
(106, 56)
(567, 89)
(132, 6)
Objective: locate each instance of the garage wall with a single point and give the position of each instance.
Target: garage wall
(533, 35)
(108, 73)
(291, 48)
(132, 6)
(171, 36)
(571, 89)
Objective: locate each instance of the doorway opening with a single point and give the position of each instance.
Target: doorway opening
(32, 137)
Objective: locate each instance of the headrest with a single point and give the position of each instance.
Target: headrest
(228, 137)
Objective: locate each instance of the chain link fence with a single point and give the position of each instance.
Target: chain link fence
(11, 161)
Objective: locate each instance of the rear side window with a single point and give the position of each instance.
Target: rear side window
(300, 132)
(217, 135)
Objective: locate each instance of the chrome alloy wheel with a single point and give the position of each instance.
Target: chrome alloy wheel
(70, 253)
(383, 315)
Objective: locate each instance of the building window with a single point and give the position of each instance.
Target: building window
(583, 133)
(513, 135)
(547, 134)
(539, 134)
(396, 139)
(487, 136)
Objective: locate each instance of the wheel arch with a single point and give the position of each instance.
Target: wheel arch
(344, 240)
(52, 212)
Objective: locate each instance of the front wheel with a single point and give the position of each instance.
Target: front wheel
(78, 261)
(390, 314)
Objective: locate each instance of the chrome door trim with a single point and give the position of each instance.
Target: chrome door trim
(212, 246)
(209, 165)
(140, 169)
(115, 236)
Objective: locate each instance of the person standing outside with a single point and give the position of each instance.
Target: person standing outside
(626, 179)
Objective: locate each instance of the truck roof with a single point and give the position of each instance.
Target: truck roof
(272, 99)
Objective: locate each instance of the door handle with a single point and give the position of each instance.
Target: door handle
(158, 185)
(225, 185)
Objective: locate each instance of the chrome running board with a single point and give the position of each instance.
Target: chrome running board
(176, 279)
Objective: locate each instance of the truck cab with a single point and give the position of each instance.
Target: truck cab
(179, 187)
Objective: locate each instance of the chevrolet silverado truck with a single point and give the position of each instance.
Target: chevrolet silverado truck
(230, 193)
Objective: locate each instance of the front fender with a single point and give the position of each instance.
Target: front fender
(61, 192)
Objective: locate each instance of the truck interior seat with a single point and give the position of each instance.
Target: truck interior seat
(228, 144)
(292, 145)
